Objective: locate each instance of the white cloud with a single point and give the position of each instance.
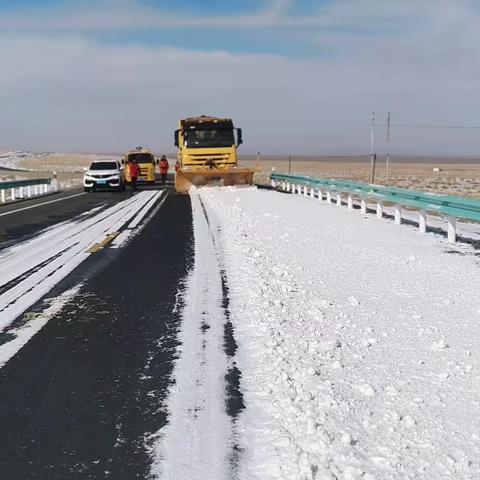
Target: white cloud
(68, 92)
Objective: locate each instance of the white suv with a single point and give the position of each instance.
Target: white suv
(104, 174)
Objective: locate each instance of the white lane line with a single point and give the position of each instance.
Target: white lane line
(40, 204)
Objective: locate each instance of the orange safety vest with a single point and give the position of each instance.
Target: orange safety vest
(134, 170)
(163, 166)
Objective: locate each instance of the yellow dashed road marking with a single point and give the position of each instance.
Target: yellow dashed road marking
(97, 246)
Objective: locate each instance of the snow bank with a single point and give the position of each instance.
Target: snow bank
(11, 160)
(358, 342)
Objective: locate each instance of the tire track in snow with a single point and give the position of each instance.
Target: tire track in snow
(199, 440)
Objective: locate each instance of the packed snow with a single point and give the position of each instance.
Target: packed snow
(358, 341)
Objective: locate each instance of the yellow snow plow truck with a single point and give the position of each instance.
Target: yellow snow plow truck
(207, 153)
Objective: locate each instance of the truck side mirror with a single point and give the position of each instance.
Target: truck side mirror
(123, 161)
(239, 136)
(177, 132)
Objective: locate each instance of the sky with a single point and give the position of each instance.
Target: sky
(298, 76)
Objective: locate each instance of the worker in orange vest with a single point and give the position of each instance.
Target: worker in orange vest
(163, 165)
(134, 171)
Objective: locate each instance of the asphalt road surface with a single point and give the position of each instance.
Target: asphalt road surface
(82, 397)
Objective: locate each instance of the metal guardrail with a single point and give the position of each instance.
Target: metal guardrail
(16, 190)
(451, 206)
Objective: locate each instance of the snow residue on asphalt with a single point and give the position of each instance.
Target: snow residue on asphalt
(36, 321)
(29, 270)
(196, 442)
(359, 342)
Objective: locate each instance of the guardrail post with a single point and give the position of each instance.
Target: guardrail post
(329, 196)
(283, 185)
(398, 214)
(320, 195)
(13, 194)
(350, 202)
(422, 221)
(363, 206)
(339, 199)
(312, 192)
(379, 209)
(20, 193)
(3, 196)
(29, 191)
(452, 229)
(305, 191)
(272, 183)
(35, 189)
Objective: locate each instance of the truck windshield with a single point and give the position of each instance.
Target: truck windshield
(195, 138)
(103, 166)
(141, 157)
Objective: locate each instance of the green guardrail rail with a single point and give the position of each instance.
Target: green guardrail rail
(451, 205)
(25, 183)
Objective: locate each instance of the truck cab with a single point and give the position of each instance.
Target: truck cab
(146, 162)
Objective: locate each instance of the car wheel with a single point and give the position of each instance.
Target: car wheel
(87, 189)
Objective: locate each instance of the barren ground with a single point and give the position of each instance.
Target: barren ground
(459, 176)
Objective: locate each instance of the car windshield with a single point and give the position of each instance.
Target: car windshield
(209, 138)
(103, 166)
(141, 157)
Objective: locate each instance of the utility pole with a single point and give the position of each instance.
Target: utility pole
(290, 164)
(372, 151)
(387, 174)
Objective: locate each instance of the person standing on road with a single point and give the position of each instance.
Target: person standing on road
(177, 166)
(163, 165)
(134, 174)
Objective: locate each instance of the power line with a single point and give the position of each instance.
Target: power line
(443, 127)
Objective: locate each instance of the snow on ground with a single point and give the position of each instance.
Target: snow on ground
(197, 441)
(30, 269)
(359, 344)
(12, 159)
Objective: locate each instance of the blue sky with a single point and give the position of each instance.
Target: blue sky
(300, 76)
(276, 39)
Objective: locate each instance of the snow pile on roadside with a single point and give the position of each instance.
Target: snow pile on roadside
(11, 160)
(358, 342)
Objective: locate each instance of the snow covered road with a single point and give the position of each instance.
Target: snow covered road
(32, 268)
(358, 342)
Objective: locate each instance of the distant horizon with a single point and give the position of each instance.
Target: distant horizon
(417, 158)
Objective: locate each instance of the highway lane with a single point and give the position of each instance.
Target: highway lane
(83, 396)
(22, 221)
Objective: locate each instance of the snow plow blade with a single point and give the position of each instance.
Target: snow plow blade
(185, 179)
